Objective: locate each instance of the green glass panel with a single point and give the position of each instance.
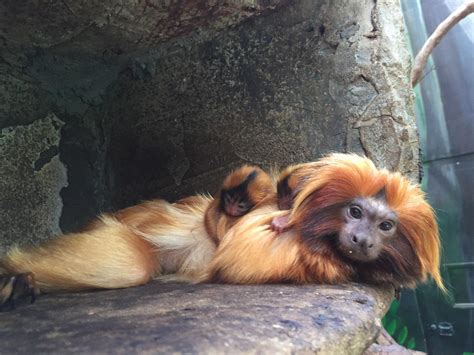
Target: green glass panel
(411, 343)
(402, 335)
(392, 327)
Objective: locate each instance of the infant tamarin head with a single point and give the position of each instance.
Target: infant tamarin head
(371, 219)
(243, 189)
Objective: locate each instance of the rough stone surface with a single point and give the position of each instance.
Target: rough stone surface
(127, 25)
(163, 98)
(208, 319)
(31, 177)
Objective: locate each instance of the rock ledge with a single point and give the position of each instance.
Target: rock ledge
(183, 318)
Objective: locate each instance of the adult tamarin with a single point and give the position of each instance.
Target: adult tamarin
(348, 221)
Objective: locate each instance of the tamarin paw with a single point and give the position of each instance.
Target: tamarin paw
(279, 224)
(16, 289)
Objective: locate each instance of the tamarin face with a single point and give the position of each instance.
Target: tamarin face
(364, 233)
(368, 224)
(373, 221)
(243, 189)
(235, 201)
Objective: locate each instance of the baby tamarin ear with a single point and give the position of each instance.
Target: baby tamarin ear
(286, 187)
(242, 190)
(290, 182)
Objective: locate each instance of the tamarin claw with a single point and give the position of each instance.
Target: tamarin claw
(16, 289)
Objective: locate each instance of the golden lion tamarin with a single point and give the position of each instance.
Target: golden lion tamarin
(348, 221)
(243, 189)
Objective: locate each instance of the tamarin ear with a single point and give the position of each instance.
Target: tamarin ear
(381, 195)
(285, 194)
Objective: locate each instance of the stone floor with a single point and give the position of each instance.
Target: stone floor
(183, 318)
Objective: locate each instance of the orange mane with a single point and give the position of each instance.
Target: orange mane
(348, 176)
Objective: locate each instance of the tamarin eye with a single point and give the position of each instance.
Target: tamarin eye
(355, 212)
(385, 226)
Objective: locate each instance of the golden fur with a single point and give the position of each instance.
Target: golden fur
(155, 238)
(121, 250)
(252, 253)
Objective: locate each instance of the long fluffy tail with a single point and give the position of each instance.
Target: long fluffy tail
(121, 250)
(110, 255)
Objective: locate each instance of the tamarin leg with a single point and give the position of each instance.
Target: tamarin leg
(280, 223)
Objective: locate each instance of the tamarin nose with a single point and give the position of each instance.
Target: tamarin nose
(362, 241)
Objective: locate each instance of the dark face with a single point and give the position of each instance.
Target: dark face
(235, 203)
(369, 225)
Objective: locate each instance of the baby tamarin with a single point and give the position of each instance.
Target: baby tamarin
(242, 190)
(348, 221)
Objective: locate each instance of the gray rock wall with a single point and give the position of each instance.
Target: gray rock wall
(162, 100)
(31, 178)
